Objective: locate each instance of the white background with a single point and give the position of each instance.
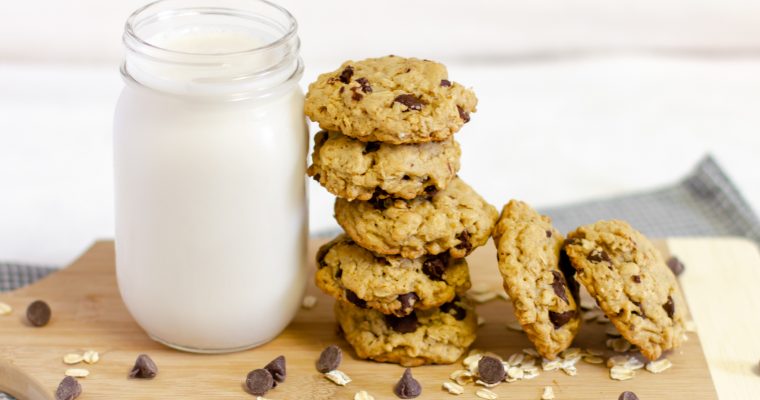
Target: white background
(578, 99)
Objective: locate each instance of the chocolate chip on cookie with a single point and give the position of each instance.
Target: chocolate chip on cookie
(559, 319)
(405, 324)
(365, 86)
(408, 300)
(411, 101)
(445, 83)
(355, 300)
(346, 74)
(435, 266)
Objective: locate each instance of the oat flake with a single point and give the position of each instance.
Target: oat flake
(338, 377)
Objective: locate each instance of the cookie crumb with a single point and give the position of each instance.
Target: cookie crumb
(338, 377)
(453, 388)
(309, 302)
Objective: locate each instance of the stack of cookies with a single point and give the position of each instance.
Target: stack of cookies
(387, 152)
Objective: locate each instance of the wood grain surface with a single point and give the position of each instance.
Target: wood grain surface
(88, 314)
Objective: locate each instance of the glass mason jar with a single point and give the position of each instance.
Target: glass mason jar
(210, 149)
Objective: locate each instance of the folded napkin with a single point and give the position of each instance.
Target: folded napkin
(705, 203)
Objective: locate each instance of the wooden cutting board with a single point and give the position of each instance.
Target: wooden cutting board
(88, 314)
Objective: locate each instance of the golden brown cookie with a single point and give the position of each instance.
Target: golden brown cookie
(390, 99)
(627, 276)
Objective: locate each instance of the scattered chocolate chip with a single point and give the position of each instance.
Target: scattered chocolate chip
(463, 114)
(597, 256)
(569, 272)
(464, 241)
(490, 370)
(346, 75)
(628, 396)
(276, 368)
(407, 387)
(68, 389)
(259, 381)
(676, 265)
(144, 368)
(330, 359)
(38, 313)
(560, 319)
(559, 286)
(405, 324)
(371, 147)
(408, 300)
(355, 300)
(548, 233)
(365, 86)
(411, 101)
(459, 313)
(435, 266)
(636, 278)
(669, 307)
(445, 83)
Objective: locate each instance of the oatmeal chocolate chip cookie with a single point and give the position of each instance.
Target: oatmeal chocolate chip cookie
(454, 220)
(390, 99)
(537, 278)
(435, 336)
(352, 169)
(630, 281)
(389, 284)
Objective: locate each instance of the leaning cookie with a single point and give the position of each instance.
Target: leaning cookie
(390, 99)
(454, 220)
(528, 249)
(436, 336)
(352, 169)
(630, 281)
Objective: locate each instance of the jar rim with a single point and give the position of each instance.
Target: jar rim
(137, 16)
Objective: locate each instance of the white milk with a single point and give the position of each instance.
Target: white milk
(211, 208)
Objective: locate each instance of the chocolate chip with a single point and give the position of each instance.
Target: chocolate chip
(445, 83)
(407, 387)
(463, 114)
(355, 95)
(452, 308)
(411, 101)
(560, 319)
(330, 359)
(464, 241)
(406, 177)
(346, 75)
(559, 286)
(338, 273)
(355, 300)
(321, 137)
(379, 203)
(365, 86)
(641, 312)
(276, 368)
(628, 396)
(259, 381)
(371, 147)
(382, 260)
(408, 300)
(597, 256)
(38, 313)
(144, 368)
(636, 278)
(490, 370)
(68, 389)
(316, 177)
(405, 324)
(431, 190)
(669, 307)
(435, 266)
(569, 272)
(548, 233)
(676, 265)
